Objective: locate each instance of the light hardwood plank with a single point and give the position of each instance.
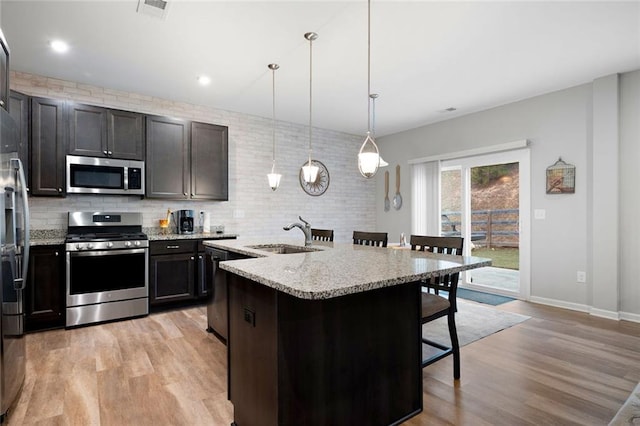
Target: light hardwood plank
(558, 368)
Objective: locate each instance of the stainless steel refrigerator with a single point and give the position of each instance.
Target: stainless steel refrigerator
(14, 252)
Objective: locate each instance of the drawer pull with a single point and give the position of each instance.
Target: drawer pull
(173, 247)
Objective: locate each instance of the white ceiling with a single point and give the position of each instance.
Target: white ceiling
(426, 55)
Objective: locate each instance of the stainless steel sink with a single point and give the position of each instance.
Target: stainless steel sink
(282, 248)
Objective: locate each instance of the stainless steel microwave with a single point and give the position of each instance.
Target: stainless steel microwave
(93, 175)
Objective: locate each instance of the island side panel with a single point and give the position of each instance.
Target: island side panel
(252, 352)
(353, 359)
(348, 360)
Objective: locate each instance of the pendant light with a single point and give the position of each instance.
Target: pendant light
(273, 177)
(369, 155)
(310, 172)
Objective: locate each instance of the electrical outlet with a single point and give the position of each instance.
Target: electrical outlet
(540, 214)
(250, 317)
(581, 277)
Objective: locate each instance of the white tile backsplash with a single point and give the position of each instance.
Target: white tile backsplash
(348, 204)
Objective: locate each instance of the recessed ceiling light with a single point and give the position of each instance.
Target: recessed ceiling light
(204, 80)
(59, 46)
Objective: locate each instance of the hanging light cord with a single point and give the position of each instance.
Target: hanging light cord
(368, 66)
(273, 121)
(310, 93)
(373, 114)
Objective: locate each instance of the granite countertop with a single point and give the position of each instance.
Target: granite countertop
(337, 269)
(51, 237)
(195, 236)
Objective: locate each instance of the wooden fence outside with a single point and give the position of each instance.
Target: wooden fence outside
(490, 228)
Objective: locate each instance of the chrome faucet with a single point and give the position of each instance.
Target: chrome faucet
(306, 228)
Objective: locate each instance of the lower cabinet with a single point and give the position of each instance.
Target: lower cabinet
(172, 271)
(44, 293)
(177, 272)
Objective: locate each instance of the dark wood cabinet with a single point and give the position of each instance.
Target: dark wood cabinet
(103, 132)
(125, 134)
(186, 160)
(47, 147)
(4, 72)
(209, 162)
(44, 292)
(353, 359)
(179, 271)
(174, 271)
(167, 165)
(19, 111)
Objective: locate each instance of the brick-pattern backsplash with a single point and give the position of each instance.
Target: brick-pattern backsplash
(253, 210)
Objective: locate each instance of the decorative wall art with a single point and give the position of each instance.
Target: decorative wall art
(561, 178)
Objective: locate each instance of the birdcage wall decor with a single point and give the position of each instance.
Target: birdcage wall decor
(561, 178)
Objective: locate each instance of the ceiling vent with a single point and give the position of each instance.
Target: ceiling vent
(154, 8)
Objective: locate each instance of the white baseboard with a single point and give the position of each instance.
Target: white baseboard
(605, 314)
(626, 316)
(560, 304)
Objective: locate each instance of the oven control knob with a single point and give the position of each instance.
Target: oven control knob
(137, 243)
(78, 247)
(127, 243)
(109, 244)
(89, 246)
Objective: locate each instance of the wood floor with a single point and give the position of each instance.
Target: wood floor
(558, 368)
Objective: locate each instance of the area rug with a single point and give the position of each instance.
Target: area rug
(479, 296)
(473, 321)
(629, 413)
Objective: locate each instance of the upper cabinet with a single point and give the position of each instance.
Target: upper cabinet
(209, 162)
(186, 160)
(47, 147)
(4, 73)
(104, 132)
(19, 111)
(167, 164)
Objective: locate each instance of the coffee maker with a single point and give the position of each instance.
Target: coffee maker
(184, 220)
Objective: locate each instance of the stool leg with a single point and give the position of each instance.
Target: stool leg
(455, 345)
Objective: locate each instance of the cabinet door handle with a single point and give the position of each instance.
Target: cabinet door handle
(110, 152)
(1, 103)
(104, 152)
(193, 258)
(173, 247)
(184, 193)
(57, 254)
(59, 189)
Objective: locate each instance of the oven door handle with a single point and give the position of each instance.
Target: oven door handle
(106, 252)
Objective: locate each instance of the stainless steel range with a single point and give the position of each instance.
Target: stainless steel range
(107, 267)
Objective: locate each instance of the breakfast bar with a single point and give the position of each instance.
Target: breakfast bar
(329, 336)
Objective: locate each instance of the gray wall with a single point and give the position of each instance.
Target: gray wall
(253, 210)
(629, 234)
(559, 124)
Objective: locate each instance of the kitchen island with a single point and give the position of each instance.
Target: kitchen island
(331, 336)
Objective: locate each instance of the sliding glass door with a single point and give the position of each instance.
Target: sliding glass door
(485, 199)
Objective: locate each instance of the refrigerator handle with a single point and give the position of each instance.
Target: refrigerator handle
(17, 165)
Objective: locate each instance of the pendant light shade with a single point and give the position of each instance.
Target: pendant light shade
(369, 155)
(273, 177)
(310, 172)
